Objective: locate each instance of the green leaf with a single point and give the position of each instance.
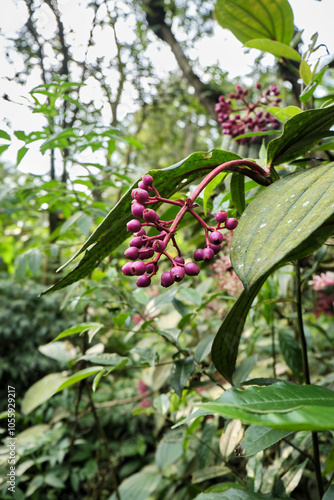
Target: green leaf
(292, 353)
(287, 220)
(278, 49)
(139, 486)
(282, 406)
(311, 87)
(249, 19)
(211, 187)
(225, 345)
(41, 391)
(258, 438)
(300, 133)
(112, 230)
(180, 373)
(284, 114)
(210, 473)
(203, 349)
(20, 154)
(92, 328)
(238, 192)
(305, 72)
(292, 478)
(3, 148)
(112, 360)
(233, 494)
(4, 135)
(169, 450)
(80, 375)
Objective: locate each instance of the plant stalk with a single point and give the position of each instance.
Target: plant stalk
(301, 333)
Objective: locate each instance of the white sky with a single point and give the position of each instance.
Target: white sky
(312, 15)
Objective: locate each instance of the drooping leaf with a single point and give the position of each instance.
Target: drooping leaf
(80, 375)
(249, 19)
(41, 391)
(237, 188)
(258, 438)
(112, 360)
(225, 345)
(180, 373)
(139, 486)
(169, 450)
(282, 406)
(4, 135)
(91, 327)
(112, 230)
(203, 349)
(293, 476)
(278, 49)
(300, 133)
(292, 353)
(286, 221)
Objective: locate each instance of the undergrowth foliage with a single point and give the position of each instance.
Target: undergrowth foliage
(221, 387)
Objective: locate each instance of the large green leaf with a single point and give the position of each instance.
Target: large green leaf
(283, 405)
(258, 438)
(300, 133)
(180, 373)
(249, 19)
(286, 221)
(112, 230)
(139, 486)
(278, 49)
(225, 345)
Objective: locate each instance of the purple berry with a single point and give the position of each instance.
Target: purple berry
(221, 216)
(178, 273)
(179, 260)
(159, 246)
(216, 248)
(162, 235)
(216, 237)
(151, 268)
(198, 254)
(147, 179)
(136, 242)
(146, 253)
(138, 268)
(208, 254)
(191, 269)
(149, 215)
(231, 224)
(142, 232)
(139, 195)
(137, 210)
(141, 185)
(131, 253)
(126, 269)
(143, 281)
(133, 226)
(167, 279)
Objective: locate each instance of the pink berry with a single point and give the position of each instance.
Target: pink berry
(216, 237)
(147, 179)
(221, 216)
(133, 226)
(167, 279)
(198, 254)
(141, 185)
(179, 260)
(191, 269)
(136, 242)
(146, 253)
(178, 273)
(131, 253)
(142, 232)
(216, 248)
(208, 254)
(137, 210)
(126, 269)
(143, 281)
(159, 246)
(231, 224)
(149, 215)
(139, 195)
(138, 268)
(151, 268)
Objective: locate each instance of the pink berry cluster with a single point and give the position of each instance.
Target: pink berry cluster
(145, 251)
(237, 116)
